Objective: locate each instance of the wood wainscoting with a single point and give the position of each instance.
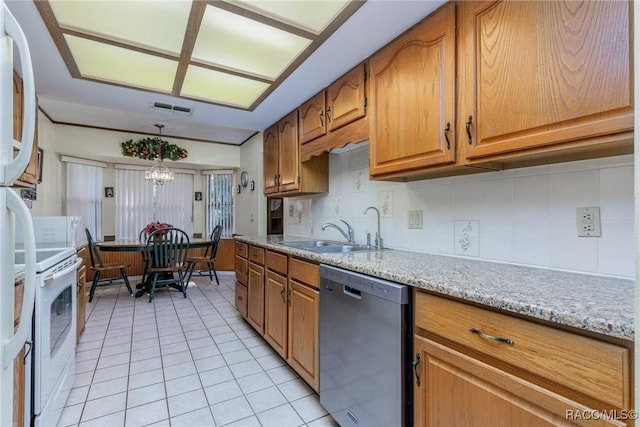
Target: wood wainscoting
(224, 260)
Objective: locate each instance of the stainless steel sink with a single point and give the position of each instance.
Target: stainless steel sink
(324, 246)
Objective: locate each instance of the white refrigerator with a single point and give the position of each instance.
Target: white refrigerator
(13, 212)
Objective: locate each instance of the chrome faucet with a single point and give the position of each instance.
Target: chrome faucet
(378, 241)
(348, 235)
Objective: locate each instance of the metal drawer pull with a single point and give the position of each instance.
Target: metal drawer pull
(415, 368)
(490, 337)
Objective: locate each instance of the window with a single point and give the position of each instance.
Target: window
(83, 193)
(220, 203)
(136, 205)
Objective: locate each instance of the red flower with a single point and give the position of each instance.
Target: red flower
(155, 225)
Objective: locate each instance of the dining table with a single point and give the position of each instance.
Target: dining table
(137, 245)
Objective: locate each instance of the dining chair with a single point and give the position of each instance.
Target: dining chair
(145, 259)
(99, 267)
(167, 250)
(209, 256)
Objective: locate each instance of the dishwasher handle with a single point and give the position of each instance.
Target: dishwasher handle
(352, 292)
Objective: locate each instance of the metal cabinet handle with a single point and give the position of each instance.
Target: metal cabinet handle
(29, 345)
(467, 125)
(446, 135)
(289, 297)
(415, 364)
(328, 114)
(282, 295)
(321, 118)
(490, 337)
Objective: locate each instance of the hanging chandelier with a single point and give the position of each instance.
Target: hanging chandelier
(159, 174)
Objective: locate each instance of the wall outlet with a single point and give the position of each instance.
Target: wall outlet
(588, 222)
(414, 219)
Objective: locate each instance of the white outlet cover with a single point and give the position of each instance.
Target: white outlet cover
(337, 206)
(385, 203)
(359, 180)
(467, 236)
(588, 222)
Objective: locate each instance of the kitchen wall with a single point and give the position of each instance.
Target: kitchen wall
(49, 192)
(104, 145)
(523, 216)
(250, 206)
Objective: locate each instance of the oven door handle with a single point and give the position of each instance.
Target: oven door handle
(64, 272)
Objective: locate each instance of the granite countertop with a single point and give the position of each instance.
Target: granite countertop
(604, 305)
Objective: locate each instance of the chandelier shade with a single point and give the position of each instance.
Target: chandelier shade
(159, 174)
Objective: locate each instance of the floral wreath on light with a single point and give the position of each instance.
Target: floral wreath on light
(150, 149)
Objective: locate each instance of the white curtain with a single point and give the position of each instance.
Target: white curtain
(220, 203)
(83, 195)
(135, 202)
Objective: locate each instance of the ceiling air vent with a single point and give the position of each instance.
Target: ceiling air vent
(161, 106)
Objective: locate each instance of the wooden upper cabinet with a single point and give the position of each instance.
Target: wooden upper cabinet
(412, 94)
(346, 98)
(289, 159)
(313, 122)
(270, 158)
(29, 177)
(18, 107)
(541, 75)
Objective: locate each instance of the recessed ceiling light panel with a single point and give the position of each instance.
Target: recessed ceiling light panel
(159, 25)
(213, 86)
(122, 66)
(312, 16)
(239, 43)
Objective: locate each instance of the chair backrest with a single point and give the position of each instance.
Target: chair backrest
(212, 250)
(143, 234)
(94, 254)
(167, 247)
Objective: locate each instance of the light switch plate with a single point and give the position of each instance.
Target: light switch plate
(588, 222)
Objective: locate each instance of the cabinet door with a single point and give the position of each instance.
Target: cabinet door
(313, 123)
(346, 98)
(255, 296)
(81, 305)
(270, 159)
(275, 312)
(289, 153)
(412, 116)
(478, 394)
(241, 299)
(304, 308)
(241, 269)
(543, 74)
(18, 107)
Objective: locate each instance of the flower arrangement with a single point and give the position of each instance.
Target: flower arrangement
(149, 149)
(155, 225)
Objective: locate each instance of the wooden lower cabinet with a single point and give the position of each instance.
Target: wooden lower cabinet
(81, 297)
(459, 391)
(241, 299)
(19, 398)
(304, 310)
(255, 297)
(275, 307)
(475, 367)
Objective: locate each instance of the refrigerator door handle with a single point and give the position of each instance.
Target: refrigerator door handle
(11, 168)
(12, 347)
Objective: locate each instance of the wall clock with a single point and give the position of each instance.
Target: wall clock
(244, 178)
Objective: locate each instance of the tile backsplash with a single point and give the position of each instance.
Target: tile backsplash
(523, 216)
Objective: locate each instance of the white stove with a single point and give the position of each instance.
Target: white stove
(54, 331)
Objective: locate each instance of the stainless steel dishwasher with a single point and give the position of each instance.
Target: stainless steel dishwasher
(365, 342)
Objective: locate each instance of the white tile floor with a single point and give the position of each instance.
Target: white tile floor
(182, 362)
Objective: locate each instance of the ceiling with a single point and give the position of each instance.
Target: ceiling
(84, 100)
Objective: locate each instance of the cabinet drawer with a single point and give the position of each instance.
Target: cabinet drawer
(277, 262)
(304, 272)
(256, 255)
(241, 270)
(241, 299)
(241, 249)
(589, 366)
